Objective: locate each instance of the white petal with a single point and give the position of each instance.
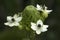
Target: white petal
(40, 22)
(9, 24)
(33, 26)
(39, 7)
(9, 18)
(15, 16)
(18, 19)
(44, 28)
(38, 31)
(45, 7)
(16, 24)
(48, 11)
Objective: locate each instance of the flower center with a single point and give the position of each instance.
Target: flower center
(39, 25)
(13, 20)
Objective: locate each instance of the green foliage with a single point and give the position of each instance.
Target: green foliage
(30, 14)
(43, 15)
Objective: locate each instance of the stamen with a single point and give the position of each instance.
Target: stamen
(39, 25)
(13, 20)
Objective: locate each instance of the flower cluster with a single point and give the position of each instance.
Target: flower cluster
(37, 27)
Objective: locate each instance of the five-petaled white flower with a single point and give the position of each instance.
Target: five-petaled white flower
(43, 9)
(13, 21)
(39, 27)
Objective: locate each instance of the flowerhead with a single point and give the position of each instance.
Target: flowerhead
(39, 27)
(43, 9)
(13, 21)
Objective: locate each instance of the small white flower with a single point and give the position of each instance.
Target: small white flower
(39, 27)
(13, 21)
(43, 9)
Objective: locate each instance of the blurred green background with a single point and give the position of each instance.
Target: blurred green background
(10, 7)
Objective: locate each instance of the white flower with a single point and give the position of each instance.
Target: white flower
(43, 9)
(39, 27)
(13, 21)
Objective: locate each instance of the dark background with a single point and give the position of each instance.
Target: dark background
(10, 7)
